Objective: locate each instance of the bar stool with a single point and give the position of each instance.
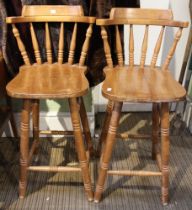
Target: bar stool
(139, 84)
(52, 79)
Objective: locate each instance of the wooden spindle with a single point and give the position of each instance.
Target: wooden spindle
(35, 44)
(157, 47)
(21, 45)
(61, 44)
(48, 44)
(131, 47)
(172, 49)
(72, 45)
(106, 47)
(144, 47)
(86, 45)
(119, 47)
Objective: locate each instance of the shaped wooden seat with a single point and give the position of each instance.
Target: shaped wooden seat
(72, 84)
(138, 82)
(132, 84)
(53, 77)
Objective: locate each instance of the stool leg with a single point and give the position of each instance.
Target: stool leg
(24, 147)
(107, 151)
(105, 127)
(155, 129)
(35, 112)
(74, 109)
(85, 125)
(165, 151)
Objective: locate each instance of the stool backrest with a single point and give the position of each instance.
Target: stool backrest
(71, 16)
(146, 18)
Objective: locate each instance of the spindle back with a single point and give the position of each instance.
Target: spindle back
(65, 15)
(146, 18)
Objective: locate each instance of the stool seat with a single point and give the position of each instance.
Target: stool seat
(135, 84)
(44, 81)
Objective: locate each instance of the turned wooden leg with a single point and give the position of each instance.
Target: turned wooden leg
(85, 125)
(24, 147)
(107, 151)
(165, 151)
(155, 129)
(35, 112)
(105, 127)
(74, 109)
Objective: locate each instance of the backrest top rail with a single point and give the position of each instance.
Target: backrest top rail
(141, 13)
(80, 19)
(122, 21)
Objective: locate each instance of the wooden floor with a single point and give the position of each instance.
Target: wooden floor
(65, 191)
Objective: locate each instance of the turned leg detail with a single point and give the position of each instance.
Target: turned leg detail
(35, 114)
(86, 129)
(155, 129)
(107, 150)
(24, 147)
(165, 151)
(105, 127)
(79, 143)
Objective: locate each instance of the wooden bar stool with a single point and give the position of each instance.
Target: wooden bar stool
(138, 83)
(52, 79)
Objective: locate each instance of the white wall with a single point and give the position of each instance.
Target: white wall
(180, 10)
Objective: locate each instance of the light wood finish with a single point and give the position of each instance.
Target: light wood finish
(172, 50)
(131, 47)
(139, 84)
(119, 47)
(21, 45)
(144, 47)
(106, 47)
(73, 45)
(48, 44)
(86, 45)
(131, 13)
(104, 131)
(51, 10)
(107, 150)
(54, 169)
(24, 147)
(35, 44)
(79, 19)
(165, 152)
(158, 22)
(74, 109)
(73, 82)
(55, 80)
(86, 130)
(155, 129)
(35, 113)
(133, 173)
(61, 44)
(157, 47)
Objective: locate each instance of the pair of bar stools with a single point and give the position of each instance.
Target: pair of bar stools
(123, 83)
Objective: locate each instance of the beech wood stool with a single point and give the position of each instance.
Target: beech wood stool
(140, 83)
(59, 78)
